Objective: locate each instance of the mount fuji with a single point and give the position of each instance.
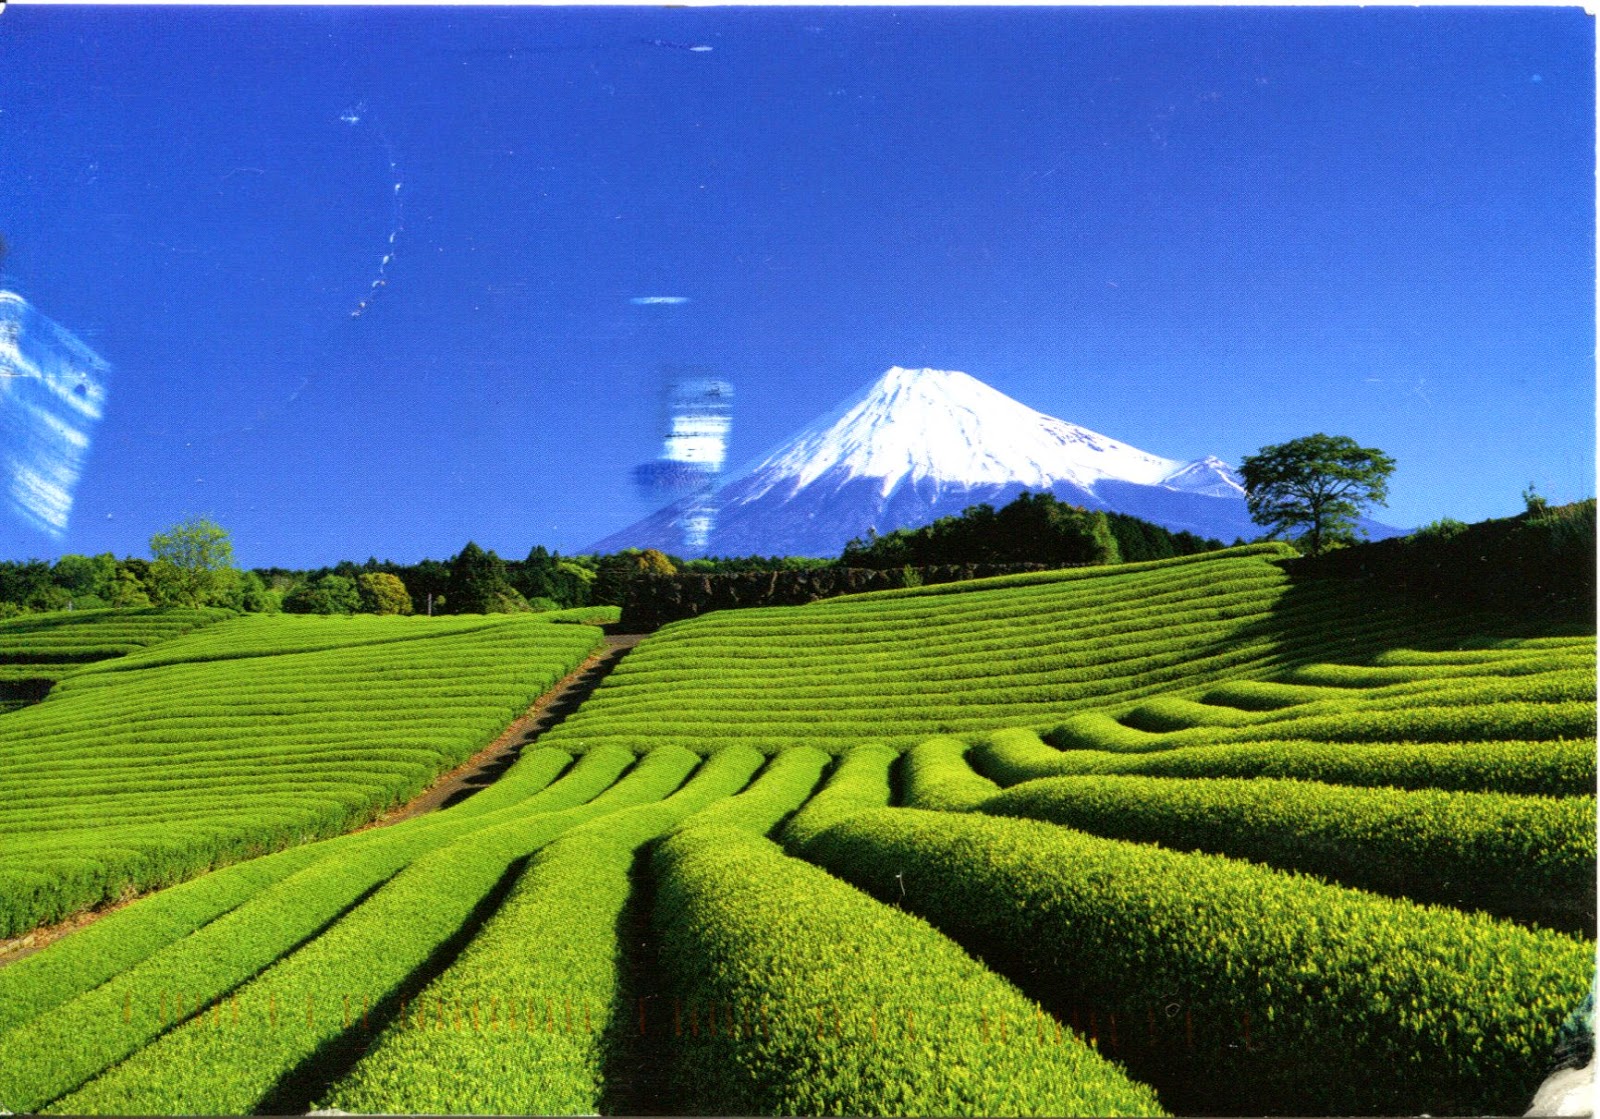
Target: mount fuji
(918, 444)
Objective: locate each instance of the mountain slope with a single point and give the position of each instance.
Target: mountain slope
(921, 444)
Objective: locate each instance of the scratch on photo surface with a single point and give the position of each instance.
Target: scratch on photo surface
(356, 117)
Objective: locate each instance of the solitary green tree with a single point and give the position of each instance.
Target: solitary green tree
(383, 593)
(191, 564)
(1317, 485)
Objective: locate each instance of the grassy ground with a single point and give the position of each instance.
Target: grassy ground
(1187, 836)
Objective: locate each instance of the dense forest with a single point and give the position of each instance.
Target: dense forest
(1034, 528)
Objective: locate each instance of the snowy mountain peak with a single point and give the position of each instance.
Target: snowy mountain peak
(947, 428)
(1209, 475)
(918, 444)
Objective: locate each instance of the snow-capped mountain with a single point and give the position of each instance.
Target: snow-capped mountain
(918, 444)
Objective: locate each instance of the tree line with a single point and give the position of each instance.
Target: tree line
(1310, 489)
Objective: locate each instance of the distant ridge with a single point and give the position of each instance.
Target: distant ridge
(918, 444)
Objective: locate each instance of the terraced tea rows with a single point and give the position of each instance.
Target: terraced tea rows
(38, 650)
(1199, 913)
(898, 666)
(247, 736)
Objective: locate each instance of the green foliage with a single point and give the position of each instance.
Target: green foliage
(1034, 528)
(1139, 540)
(191, 564)
(330, 594)
(383, 593)
(478, 584)
(859, 783)
(796, 995)
(787, 782)
(1564, 768)
(554, 943)
(734, 565)
(1528, 858)
(1356, 1004)
(613, 573)
(899, 666)
(122, 939)
(253, 596)
(1317, 483)
(82, 576)
(127, 590)
(935, 774)
(1536, 563)
(242, 738)
(462, 938)
(545, 575)
(1534, 503)
(373, 950)
(1443, 529)
(166, 945)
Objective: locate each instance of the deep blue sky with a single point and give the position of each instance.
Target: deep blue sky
(1196, 230)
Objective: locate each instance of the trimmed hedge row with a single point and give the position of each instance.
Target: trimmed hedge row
(859, 782)
(38, 983)
(1095, 730)
(768, 690)
(786, 783)
(538, 986)
(1310, 998)
(1565, 767)
(1528, 858)
(330, 737)
(81, 636)
(794, 994)
(935, 774)
(57, 1051)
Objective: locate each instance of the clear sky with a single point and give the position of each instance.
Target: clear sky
(1195, 230)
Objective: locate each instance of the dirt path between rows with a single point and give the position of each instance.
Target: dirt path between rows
(489, 764)
(474, 775)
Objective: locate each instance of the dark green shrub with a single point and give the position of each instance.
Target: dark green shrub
(1298, 996)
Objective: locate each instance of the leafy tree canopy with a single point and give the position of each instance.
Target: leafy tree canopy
(478, 584)
(330, 594)
(382, 593)
(1315, 486)
(191, 564)
(1034, 528)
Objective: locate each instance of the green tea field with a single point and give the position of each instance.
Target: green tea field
(182, 742)
(1183, 837)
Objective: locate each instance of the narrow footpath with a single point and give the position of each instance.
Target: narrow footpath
(475, 774)
(489, 764)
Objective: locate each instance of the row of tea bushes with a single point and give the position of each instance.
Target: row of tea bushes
(307, 1009)
(795, 994)
(542, 982)
(1528, 858)
(244, 737)
(273, 892)
(898, 667)
(1310, 998)
(538, 985)
(1565, 767)
(200, 941)
(66, 638)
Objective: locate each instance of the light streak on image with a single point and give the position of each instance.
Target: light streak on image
(52, 394)
(699, 418)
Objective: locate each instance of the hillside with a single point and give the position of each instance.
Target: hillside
(238, 738)
(893, 667)
(1193, 836)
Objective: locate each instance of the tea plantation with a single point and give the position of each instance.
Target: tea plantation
(1192, 836)
(162, 756)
